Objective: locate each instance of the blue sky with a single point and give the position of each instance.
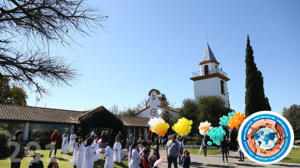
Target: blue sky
(158, 44)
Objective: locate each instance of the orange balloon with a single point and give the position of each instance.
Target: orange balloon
(236, 120)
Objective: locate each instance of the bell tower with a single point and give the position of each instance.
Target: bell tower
(210, 80)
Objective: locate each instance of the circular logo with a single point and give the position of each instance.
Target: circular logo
(266, 137)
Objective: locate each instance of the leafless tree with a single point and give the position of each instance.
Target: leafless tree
(115, 109)
(41, 23)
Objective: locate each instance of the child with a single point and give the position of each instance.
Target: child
(145, 163)
(88, 161)
(75, 152)
(53, 163)
(96, 146)
(186, 160)
(36, 162)
(154, 157)
(129, 152)
(80, 154)
(117, 151)
(65, 143)
(134, 156)
(109, 163)
(72, 140)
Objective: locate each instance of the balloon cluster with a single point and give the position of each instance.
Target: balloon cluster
(224, 119)
(204, 127)
(158, 126)
(183, 126)
(236, 120)
(216, 134)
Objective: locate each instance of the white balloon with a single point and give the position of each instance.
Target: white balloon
(203, 124)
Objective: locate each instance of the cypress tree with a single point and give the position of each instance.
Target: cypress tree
(255, 99)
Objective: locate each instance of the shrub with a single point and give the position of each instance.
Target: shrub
(4, 143)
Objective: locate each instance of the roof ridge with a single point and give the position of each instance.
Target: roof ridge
(15, 105)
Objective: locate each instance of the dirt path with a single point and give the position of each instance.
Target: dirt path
(200, 161)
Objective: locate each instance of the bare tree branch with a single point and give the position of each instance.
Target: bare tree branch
(41, 22)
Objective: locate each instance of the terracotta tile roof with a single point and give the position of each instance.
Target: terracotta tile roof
(39, 114)
(135, 121)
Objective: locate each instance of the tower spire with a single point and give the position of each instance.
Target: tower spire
(208, 54)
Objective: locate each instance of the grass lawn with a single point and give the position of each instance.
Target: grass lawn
(63, 161)
(209, 151)
(293, 157)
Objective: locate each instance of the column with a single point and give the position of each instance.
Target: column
(145, 133)
(26, 131)
(71, 129)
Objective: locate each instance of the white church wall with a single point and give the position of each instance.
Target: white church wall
(210, 87)
(147, 113)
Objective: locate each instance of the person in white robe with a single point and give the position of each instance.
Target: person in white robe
(129, 152)
(72, 141)
(88, 161)
(80, 155)
(65, 143)
(109, 163)
(117, 151)
(75, 154)
(135, 157)
(96, 147)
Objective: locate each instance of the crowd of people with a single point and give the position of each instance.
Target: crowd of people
(86, 151)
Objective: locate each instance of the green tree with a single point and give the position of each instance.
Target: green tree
(255, 98)
(292, 114)
(4, 90)
(211, 108)
(11, 95)
(190, 111)
(170, 120)
(129, 112)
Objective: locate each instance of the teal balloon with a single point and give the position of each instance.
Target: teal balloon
(216, 134)
(209, 143)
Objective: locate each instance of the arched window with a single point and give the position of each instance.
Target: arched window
(222, 87)
(205, 69)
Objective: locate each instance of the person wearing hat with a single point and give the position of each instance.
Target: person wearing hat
(18, 145)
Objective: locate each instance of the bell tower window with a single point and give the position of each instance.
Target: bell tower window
(205, 69)
(222, 87)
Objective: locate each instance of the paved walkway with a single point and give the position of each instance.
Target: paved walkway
(200, 161)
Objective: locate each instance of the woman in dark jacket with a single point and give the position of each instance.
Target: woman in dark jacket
(224, 149)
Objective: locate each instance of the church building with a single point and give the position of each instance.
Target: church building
(210, 80)
(156, 106)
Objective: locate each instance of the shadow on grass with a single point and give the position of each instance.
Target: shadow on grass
(62, 159)
(121, 164)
